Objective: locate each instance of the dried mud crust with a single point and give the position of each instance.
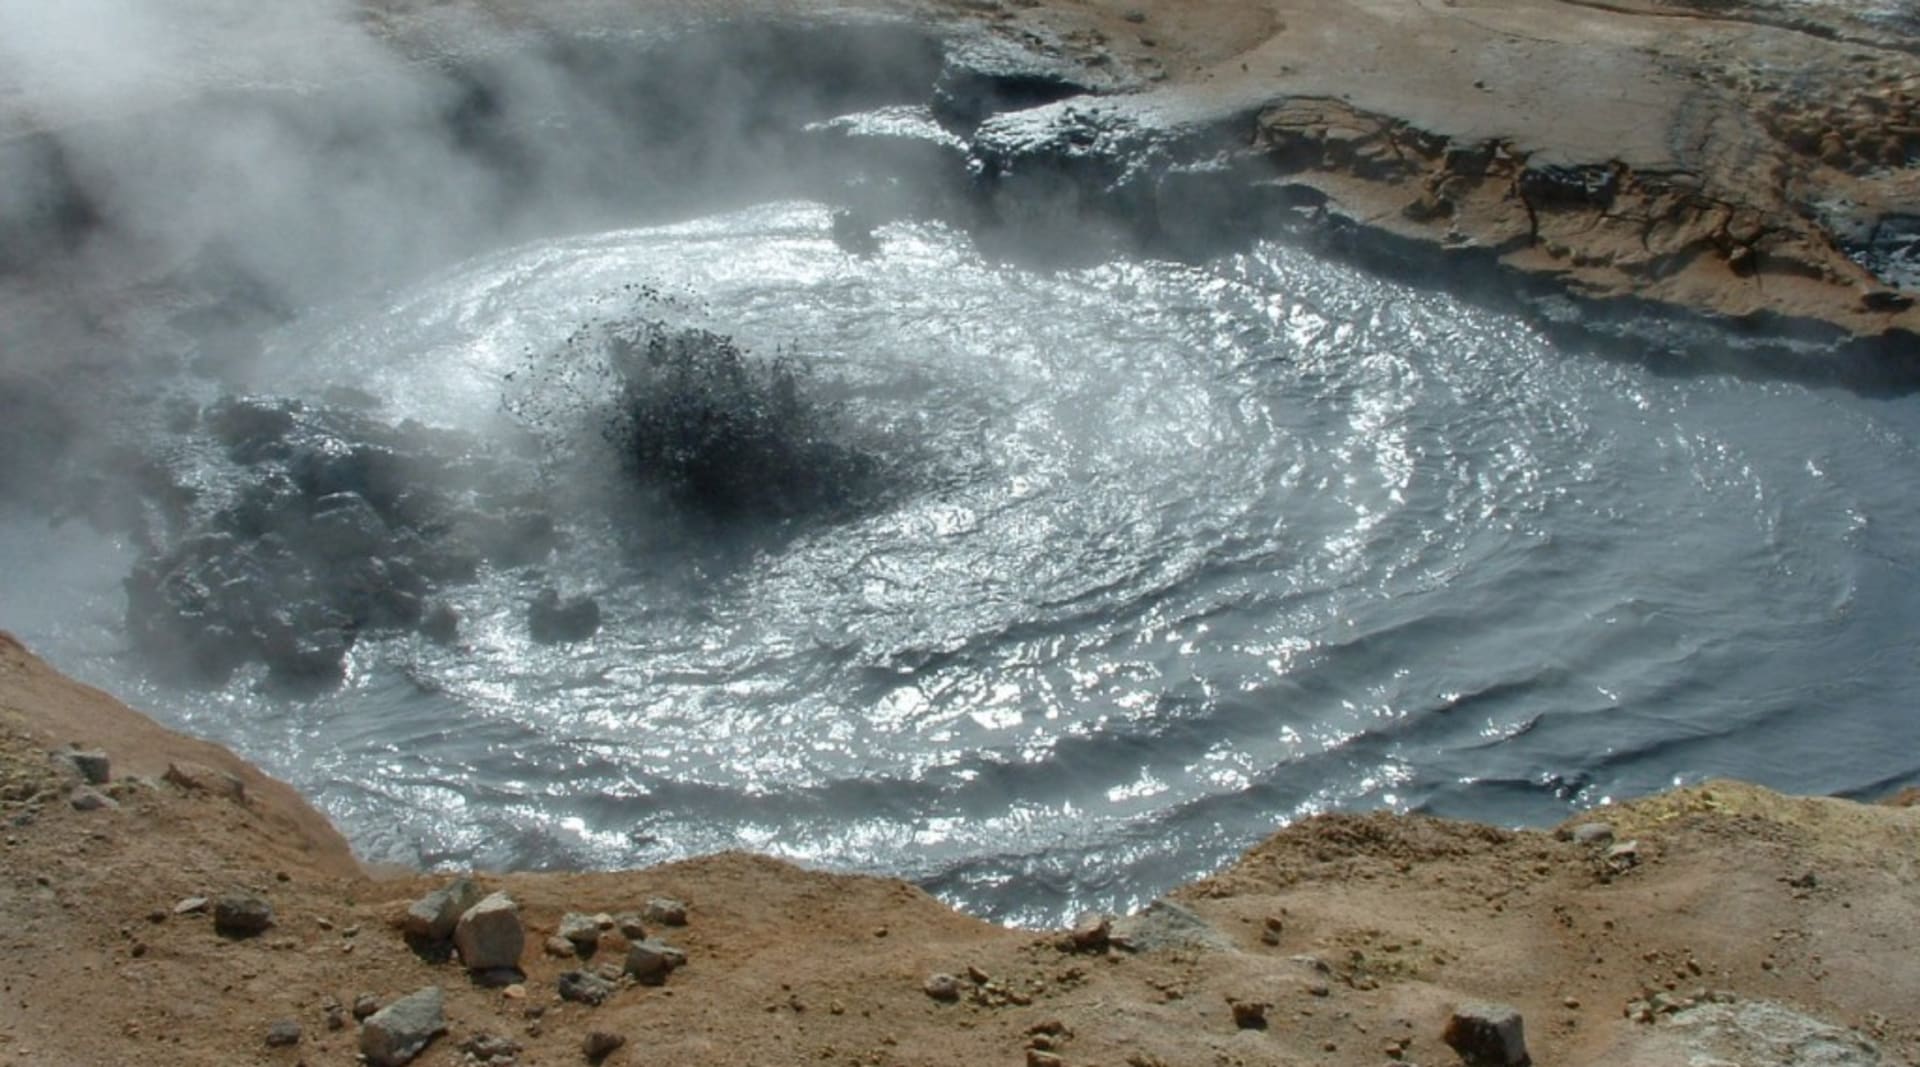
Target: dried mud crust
(1346, 939)
(1742, 161)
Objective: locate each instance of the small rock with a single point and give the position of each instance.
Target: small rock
(1592, 834)
(1487, 1035)
(1271, 930)
(87, 798)
(491, 1049)
(582, 987)
(489, 935)
(665, 911)
(93, 765)
(190, 906)
(942, 986)
(336, 1017)
(600, 1044)
(1249, 1014)
(649, 962)
(283, 1034)
(581, 930)
(434, 916)
(1091, 932)
(1623, 855)
(560, 948)
(630, 926)
(397, 1033)
(364, 1005)
(241, 915)
(1038, 1058)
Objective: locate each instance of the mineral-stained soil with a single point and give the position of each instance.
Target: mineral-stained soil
(1752, 159)
(1720, 920)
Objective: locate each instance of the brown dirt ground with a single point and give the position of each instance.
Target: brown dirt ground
(1385, 923)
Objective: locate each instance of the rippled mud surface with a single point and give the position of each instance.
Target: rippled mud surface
(1162, 555)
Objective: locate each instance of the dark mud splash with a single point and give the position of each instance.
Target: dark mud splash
(715, 431)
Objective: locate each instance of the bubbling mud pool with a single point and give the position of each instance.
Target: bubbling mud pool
(1165, 555)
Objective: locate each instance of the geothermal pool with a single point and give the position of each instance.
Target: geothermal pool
(1166, 555)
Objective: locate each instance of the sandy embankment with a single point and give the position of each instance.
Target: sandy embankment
(1771, 929)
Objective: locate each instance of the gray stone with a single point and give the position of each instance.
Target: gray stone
(242, 915)
(1624, 855)
(489, 935)
(649, 962)
(584, 988)
(283, 1034)
(582, 930)
(942, 987)
(666, 911)
(364, 1005)
(600, 1044)
(87, 798)
(434, 916)
(397, 1033)
(560, 948)
(190, 906)
(630, 926)
(1487, 1035)
(1593, 833)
